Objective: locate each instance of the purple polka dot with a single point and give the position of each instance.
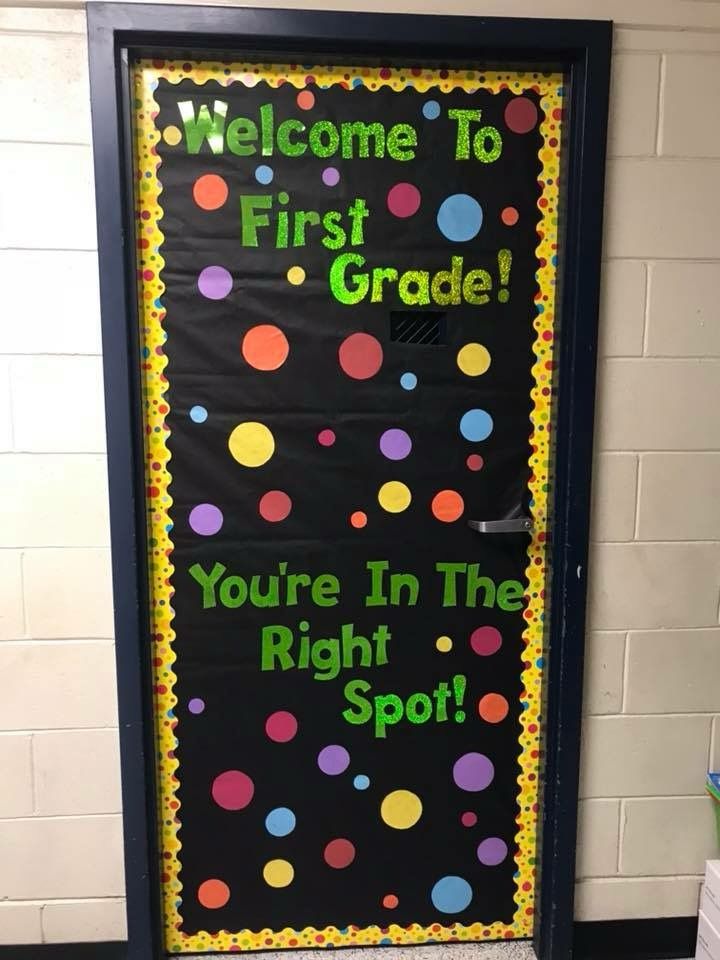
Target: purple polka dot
(215, 282)
(333, 760)
(492, 851)
(395, 444)
(331, 176)
(473, 772)
(205, 519)
(196, 705)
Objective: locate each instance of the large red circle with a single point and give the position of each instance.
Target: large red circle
(275, 505)
(521, 115)
(339, 854)
(360, 356)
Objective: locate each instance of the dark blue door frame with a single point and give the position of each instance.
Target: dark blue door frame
(582, 49)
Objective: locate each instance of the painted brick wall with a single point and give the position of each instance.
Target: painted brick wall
(654, 644)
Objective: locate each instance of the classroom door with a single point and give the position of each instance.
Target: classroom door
(347, 292)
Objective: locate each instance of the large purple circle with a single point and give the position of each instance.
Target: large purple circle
(473, 772)
(333, 760)
(215, 282)
(205, 519)
(395, 444)
(492, 851)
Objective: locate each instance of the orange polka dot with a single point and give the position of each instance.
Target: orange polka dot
(213, 894)
(210, 191)
(509, 216)
(447, 505)
(306, 100)
(265, 347)
(358, 519)
(390, 901)
(493, 707)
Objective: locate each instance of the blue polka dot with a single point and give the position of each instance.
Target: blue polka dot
(431, 109)
(264, 174)
(280, 822)
(451, 895)
(408, 381)
(460, 217)
(476, 425)
(361, 782)
(198, 414)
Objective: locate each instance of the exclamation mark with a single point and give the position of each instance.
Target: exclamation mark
(504, 264)
(459, 684)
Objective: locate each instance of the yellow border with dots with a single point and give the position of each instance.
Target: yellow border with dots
(146, 75)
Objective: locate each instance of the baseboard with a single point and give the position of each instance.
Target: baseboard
(116, 950)
(668, 938)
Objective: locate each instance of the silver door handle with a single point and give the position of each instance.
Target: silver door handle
(516, 525)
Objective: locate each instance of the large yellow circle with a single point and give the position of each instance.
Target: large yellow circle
(394, 496)
(251, 444)
(278, 873)
(473, 359)
(401, 809)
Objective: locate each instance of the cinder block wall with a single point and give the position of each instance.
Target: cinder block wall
(654, 643)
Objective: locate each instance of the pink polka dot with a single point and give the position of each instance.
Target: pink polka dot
(486, 641)
(232, 790)
(468, 819)
(326, 438)
(403, 200)
(281, 726)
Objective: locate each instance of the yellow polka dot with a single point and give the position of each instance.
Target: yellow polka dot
(394, 496)
(444, 644)
(278, 873)
(172, 136)
(296, 276)
(251, 444)
(473, 359)
(401, 809)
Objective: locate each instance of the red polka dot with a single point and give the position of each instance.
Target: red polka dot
(390, 901)
(358, 519)
(509, 216)
(468, 819)
(339, 854)
(360, 356)
(275, 505)
(521, 115)
(475, 462)
(326, 438)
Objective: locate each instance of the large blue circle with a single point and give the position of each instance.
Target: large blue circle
(451, 894)
(460, 217)
(280, 822)
(476, 425)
